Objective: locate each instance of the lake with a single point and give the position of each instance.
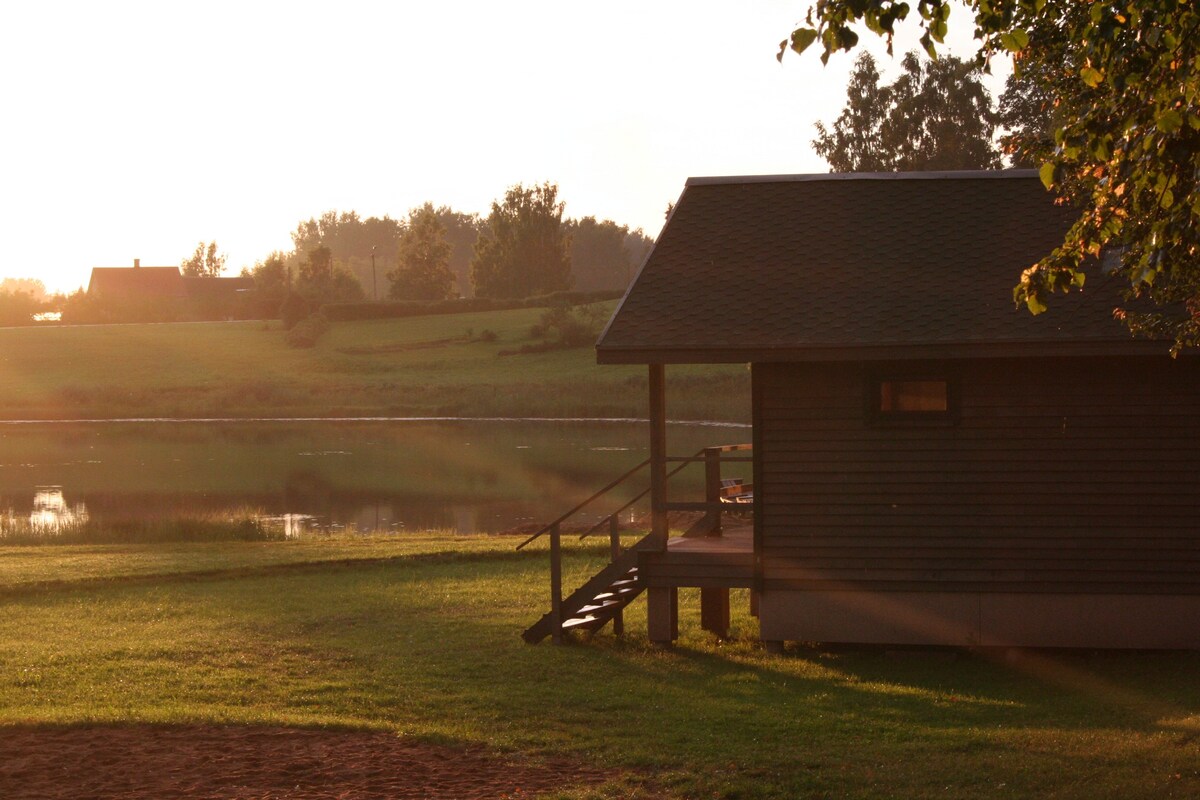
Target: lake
(309, 477)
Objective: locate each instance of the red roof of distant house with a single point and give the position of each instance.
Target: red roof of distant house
(136, 282)
(858, 266)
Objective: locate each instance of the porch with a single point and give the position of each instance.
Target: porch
(715, 554)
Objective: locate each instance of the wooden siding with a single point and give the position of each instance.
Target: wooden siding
(1053, 476)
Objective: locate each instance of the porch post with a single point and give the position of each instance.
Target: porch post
(714, 611)
(658, 455)
(662, 624)
(712, 490)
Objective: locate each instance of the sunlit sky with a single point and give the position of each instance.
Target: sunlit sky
(135, 130)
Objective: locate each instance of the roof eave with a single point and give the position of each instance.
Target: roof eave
(876, 353)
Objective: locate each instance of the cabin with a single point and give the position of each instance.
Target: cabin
(932, 466)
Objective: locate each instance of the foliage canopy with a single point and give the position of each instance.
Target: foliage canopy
(523, 249)
(937, 115)
(423, 271)
(205, 262)
(1123, 80)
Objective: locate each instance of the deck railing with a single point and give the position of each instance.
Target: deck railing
(711, 457)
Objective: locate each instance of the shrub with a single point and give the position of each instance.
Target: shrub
(306, 332)
(294, 309)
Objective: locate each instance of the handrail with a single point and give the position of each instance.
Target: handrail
(646, 491)
(683, 462)
(577, 508)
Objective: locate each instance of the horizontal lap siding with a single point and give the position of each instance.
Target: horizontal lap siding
(1056, 477)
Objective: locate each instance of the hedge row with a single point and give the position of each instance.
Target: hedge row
(352, 312)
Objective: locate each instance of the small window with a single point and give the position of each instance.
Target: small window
(913, 397)
(920, 400)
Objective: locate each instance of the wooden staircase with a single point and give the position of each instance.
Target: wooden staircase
(597, 602)
(602, 598)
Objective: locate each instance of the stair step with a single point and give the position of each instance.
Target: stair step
(600, 597)
(598, 606)
(617, 594)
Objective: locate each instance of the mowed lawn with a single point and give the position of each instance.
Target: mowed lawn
(420, 635)
(437, 365)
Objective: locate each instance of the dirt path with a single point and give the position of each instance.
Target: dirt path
(202, 761)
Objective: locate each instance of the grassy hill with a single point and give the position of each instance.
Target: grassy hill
(437, 366)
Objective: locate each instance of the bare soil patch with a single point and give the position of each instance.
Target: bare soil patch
(211, 761)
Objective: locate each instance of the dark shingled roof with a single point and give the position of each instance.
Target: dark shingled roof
(870, 266)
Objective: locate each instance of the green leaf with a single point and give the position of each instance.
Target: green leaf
(1046, 173)
(1169, 121)
(927, 43)
(1034, 304)
(1078, 278)
(1168, 199)
(802, 38)
(1091, 77)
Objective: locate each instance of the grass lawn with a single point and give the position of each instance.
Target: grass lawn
(437, 365)
(419, 635)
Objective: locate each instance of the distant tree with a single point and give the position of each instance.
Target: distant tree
(600, 258)
(523, 249)
(638, 244)
(320, 281)
(18, 307)
(462, 231)
(78, 308)
(423, 268)
(204, 263)
(271, 282)
(318, 267)
(351, 241)
(937, 115)
(30, 286)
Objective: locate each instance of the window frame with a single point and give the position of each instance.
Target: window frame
(876, 416)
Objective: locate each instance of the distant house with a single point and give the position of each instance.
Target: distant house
(136, 283)
(208, 289)
(931, 464)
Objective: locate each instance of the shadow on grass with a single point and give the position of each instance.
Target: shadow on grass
(429, 645)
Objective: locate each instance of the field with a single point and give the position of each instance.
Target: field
(436, 366)
(418, 636)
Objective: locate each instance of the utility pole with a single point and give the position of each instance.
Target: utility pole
(374, 288)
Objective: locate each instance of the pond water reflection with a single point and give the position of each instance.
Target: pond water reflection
(306, 476)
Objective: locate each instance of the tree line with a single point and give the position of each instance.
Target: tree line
(522, 248)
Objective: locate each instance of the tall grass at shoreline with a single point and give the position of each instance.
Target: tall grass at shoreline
(235, 525)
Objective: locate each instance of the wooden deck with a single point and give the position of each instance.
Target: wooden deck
(709, 562)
